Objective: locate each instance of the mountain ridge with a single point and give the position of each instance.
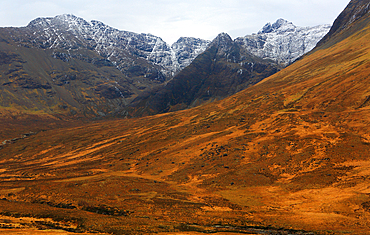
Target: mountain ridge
(104, 39)
(83, 67)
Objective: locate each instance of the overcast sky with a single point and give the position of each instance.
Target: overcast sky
(171, 19)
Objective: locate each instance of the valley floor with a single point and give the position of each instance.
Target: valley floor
(124, 177)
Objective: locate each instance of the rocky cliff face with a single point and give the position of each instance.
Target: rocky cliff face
(186, 49)
(282, 41)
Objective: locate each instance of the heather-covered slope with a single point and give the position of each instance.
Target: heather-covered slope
(289, 155)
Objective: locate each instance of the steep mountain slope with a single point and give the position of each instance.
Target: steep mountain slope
(229, 66)
(343, 26)
(289, 155)
(37, 80)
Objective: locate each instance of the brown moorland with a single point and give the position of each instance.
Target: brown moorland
(287, 156)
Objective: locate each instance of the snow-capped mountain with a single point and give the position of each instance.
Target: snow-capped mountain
(85, 67)
(72, 63)
(228, 66)
(120, 47)
(224, 69)
(282, 41)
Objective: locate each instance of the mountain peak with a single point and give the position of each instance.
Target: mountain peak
(65, 19)
(279, 24)
(224, 36)
(188, 39)
(222, 40)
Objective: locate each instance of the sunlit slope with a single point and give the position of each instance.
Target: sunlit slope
(291, 152)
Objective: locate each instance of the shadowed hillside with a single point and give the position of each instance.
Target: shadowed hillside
(289, 155)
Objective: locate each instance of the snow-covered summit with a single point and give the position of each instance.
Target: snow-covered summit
(278, 25)
(282, 41)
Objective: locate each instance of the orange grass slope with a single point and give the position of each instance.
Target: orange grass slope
(289, 155)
